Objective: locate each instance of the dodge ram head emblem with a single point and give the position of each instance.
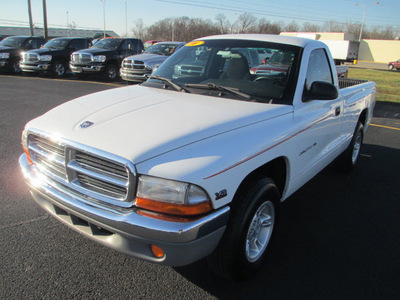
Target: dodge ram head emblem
(86, 124)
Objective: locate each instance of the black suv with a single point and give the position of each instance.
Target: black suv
(53, 57)
(11, 48)
(104, 57)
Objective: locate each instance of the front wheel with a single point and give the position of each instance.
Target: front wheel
(391, 67)
(58, 69)
(249, 231)
(110, 72)
(15, 67)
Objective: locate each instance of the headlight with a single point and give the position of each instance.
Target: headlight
(171, 197)
(5, 55)
(99, 58)
(152, 67)
(45, 57)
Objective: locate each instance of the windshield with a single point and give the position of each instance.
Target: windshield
(57, 44)
(162, 49)
(221, 68)
(111, 44)
(13, 41)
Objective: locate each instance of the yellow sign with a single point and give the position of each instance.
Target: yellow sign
(195, 43)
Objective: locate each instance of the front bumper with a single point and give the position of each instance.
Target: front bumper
(87, 68)
(42, 67)
(125, 229)
(137, 76)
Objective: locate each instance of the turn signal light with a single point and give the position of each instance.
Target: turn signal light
(157, 251)
(174, 209)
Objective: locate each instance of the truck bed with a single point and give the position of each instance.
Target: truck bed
(347, 82)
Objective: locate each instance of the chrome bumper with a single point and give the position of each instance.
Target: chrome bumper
(125, 229)
(132, 76)
(82, 69)
(34, 68)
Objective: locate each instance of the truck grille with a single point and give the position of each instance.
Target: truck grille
(88, 173)
(30, 57)
(81, 57)
(133, 64)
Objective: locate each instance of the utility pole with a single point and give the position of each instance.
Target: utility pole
(45, 33)
(30, 17)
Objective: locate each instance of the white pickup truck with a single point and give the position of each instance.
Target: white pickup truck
(195, 161)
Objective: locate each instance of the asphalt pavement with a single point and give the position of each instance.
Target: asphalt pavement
(337, 236)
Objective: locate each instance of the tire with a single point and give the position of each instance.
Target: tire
(348, 159)
(15, 67)
(245, 242)
(390, 67)
(110, 72)
(58, 69)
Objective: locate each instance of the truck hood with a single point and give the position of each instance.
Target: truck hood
(7, 49)
(96, 51)
(139, 123)
(149, 58)
(45, 51)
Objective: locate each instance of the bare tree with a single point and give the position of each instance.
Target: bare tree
(292, 27)
(223, 23)
(333, 26)
(139, 30)
(310, 27)
(245, 22)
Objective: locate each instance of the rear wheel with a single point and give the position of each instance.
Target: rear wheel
(391, 67)
(248, 234)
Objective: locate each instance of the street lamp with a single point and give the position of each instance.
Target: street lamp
(363, 18)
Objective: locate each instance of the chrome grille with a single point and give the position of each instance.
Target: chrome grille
(88, 173)
(30, 57)
(138, 65)
(81, 57)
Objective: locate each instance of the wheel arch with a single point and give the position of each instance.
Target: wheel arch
(276, 169)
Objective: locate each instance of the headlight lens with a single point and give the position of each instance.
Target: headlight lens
(152, 67)
(5, 55)
(45, 57)
(172, 197)
(99, 58)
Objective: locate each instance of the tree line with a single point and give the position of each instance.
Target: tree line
(186, 29)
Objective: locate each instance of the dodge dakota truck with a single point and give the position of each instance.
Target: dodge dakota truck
(184, 166)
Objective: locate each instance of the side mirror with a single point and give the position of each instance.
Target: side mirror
(321, 90)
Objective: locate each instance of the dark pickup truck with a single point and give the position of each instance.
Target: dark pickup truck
(104, 57)
(11, 48)
(53, 57)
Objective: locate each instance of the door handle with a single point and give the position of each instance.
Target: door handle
(337, 111)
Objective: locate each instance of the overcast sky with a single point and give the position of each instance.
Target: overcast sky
(89, 13)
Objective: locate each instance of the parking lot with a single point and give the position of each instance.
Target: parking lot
(337, 236)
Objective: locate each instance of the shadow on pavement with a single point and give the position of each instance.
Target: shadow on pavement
(337, 239)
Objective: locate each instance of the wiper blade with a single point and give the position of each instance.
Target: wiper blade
(212, 86)
(170, 82)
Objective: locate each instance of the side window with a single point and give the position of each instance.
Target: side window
(32, 44)
(77, 44)
(124, 45)
(318, 68)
